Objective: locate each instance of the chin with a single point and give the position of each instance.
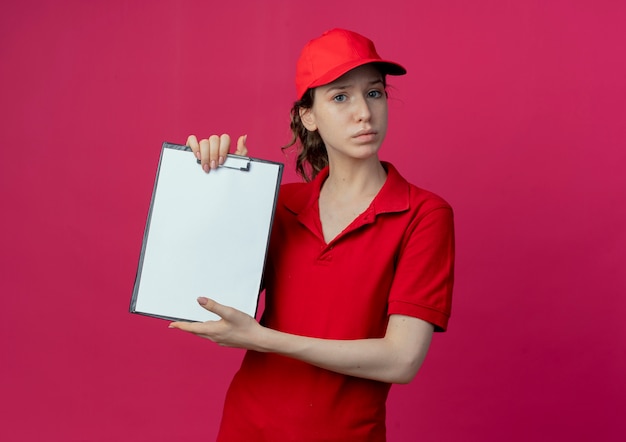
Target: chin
(365, 153)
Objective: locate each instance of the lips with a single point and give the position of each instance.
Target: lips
(365, 136)
(365, 133)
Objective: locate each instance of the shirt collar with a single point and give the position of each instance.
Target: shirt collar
(392, 197)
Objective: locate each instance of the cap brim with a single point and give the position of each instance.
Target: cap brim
(387, 67)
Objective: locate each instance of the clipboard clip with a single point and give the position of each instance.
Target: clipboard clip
(236, 162)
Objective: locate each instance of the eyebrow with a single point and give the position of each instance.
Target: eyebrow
(348, 85)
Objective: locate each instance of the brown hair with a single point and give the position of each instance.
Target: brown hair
(312, 156)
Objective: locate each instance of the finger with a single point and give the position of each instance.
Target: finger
(204, 148)
(223, 149)
(215, 307)
(214, 151)
(241, 146)
(184, 326)
(192, 142)
(203, 329)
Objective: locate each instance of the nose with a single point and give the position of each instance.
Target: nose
(362, 110)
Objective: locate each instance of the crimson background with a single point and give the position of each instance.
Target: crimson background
(514, 111)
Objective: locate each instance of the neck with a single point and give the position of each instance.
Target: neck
(355, 178)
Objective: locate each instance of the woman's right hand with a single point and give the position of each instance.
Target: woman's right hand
(212, 151)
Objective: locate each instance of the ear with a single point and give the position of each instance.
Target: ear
(308, 119)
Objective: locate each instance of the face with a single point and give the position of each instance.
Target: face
(350, 114)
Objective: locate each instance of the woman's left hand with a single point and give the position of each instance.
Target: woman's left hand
(234, 329)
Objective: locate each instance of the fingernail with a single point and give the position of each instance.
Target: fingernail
(205, 167)
(202, 300)
(212, 164)
(221, 160)
(197, 154)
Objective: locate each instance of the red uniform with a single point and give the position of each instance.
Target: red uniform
(397, 257)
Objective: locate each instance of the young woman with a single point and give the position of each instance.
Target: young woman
(359, 271)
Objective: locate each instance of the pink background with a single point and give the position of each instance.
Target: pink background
(513, 111)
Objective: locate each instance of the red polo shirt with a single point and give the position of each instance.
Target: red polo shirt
(397, 257)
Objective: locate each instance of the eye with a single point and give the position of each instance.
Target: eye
(340, 98)
(375, 94)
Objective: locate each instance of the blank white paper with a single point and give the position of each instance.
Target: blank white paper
(207, 235)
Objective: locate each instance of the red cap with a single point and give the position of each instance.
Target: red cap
(335, 52)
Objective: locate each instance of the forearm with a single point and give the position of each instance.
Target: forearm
(395, 358)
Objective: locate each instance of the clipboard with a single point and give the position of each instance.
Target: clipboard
(206, 235)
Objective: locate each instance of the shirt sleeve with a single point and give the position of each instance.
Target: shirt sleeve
(422, 285)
